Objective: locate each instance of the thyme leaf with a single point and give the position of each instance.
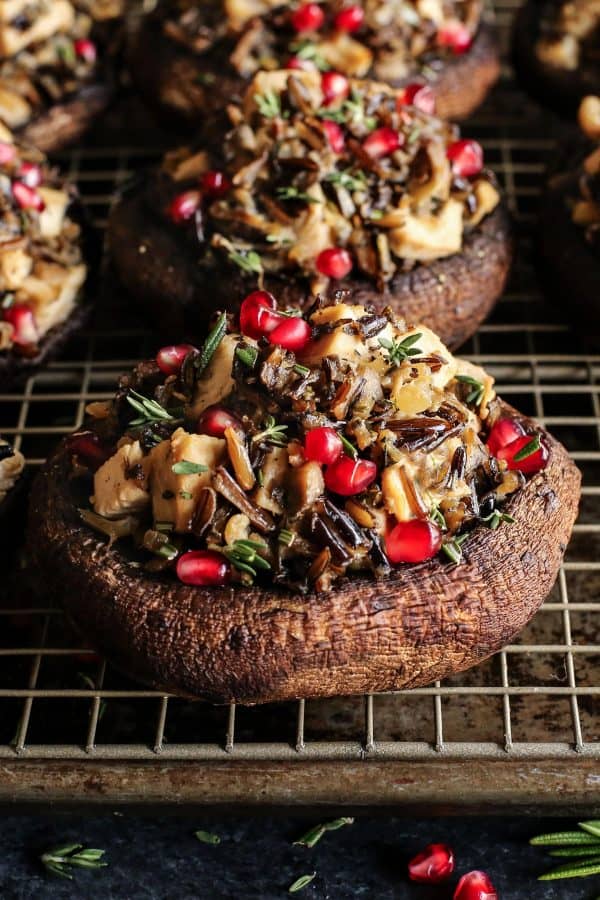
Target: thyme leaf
(398, 351)
(150, 410)
(269, 104)
(272, 433)
(437, 517)
(352, 181)
(453, 549)
(211, 343)
(185, 467)
(496, 518)
(308, 51)
(301, 370)
(475, 395)
(247, 260)
(61, 859)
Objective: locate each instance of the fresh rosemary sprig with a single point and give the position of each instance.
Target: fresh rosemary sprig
(211, 343)
(247, 355)
(475, 395)
(496, 518)
(293, 193)
(398, 351)
(247, 260)
(582, 846)
(272, 433)
(185, 467)
(300, 883)
(245, 556)
(150, 410)
(352, 181)
(529, 449)
(205, 837)
(61, 858)
(314, 835)
(269, 104)
(453, 549)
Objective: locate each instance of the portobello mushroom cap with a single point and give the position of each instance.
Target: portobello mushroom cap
(186, 88)
(65, 123)
(251, 645)
(452, 296)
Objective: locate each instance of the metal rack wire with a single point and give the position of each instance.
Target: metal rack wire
(536, 700)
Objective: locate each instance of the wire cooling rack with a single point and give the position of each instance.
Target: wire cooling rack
(521, 729)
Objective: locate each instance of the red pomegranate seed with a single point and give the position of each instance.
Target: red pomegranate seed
(86, 50)
(349, 476)
(383, 142)
(466, 157)
(335, 136)
(292, 333)
(88, 448)
(421, 96)
(203, 568)
(528, 454)
(184, 206)
(414, 541)
(303, 65)
(350, 19)
(455, 36)
(26, 197)
(434, 864)
(215, 183)
(475, 886)
(8, 153)
(30, 174)
(335, 86)
(308, 17)
(504, 432)
(22, 319)
(258, 314)
(214, 420)
(170, 359)
(323, 445)
(335, 262)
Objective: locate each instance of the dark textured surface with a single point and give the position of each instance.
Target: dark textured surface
(158, 858)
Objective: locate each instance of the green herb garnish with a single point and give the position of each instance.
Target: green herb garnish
(150, 410)
(352, 112)
(247, 355)
(314, 835)
(207, 838)
(583, 848)
(475, 395)
(453, 549)
(247, 260)
(528, 450)
(269, 104)
(186, 495)
(356, 181)
(272, 433)
(245, 556)
(398, 351)
(308, 51)
(205, 78)
(294, 193)
(286, 537)
(301, 883)
(185, 467)
(60, 859)
(301, 370)
(348, 446)
(66, 53)
(211, 344)
(496, 518)
(437, 517)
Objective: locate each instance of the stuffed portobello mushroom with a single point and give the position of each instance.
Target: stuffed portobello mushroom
(12, 465)
(569, 230)
(42, 266)
(556, 50)
(310, 193)
(302, 506)
(55, 67)
(192, 57)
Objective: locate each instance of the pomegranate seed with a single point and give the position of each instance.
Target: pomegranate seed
(170, 359)
(292, 333)
(421, 96)
(383, 142)
(349, 476)
(203, 568)
(215, 183)
(334, 262)
(88, 448)
(22, 319)
(466, 157)
(184, 206)
(303, 65)
(258, 314)
(86, 50)
(335, 86)
(434, 864)
(214, 420)
(30, 174)
(531, 462)
(504, 432)
(27, 197)
(413, 541)
(308, 17)
(335, 136)
(8, 153)
(323, 445)
(475, 886)
(455, 36)
(350, 19)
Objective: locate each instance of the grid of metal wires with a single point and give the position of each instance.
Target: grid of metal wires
(536, 698)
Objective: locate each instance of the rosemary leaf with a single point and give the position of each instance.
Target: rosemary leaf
(573, 870)
(398, 351)
(269, 104)
(185, 467)
(528, 450)
(272, 434)
(314, 835)
(348, 446)
(247, 355)
(476, 394)
(150, 410)
(247, 260)
(592, 827)
(211, 343)
(301, 883)
(560, 838)
(584, 850)
(294, 193)
(60, 859)
(301, 370)
(207, 838)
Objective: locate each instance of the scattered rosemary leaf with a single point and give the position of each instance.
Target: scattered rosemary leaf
(528, 450)
(584, 850)
(586, 867)
(308, 51)
(352, 181)
(301, 370)
(294, 193)
(437, 517)
(247, 355)
(301, 883)
(560, 838)
(591, 827)
(496, 518)
(286, 537)
(272, 433)
(314, 835)
(150, 410)
(207, 838)
(269, 104)
(185, 467)
(245, 556)
(453, 549)
(348, 446)
(211, 344)
(247, 260)
(61, 858)
(476, 394)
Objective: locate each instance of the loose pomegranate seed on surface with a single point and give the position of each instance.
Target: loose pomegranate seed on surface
(30, 174)
(350, 19)
(504, 432)
(170, 359)
(22, 319)
(421, 96)
(89, 449)
(455, 36)
(383, 142)
(258, 314)
(434, 864)
(203, 568)
(27, 197)
(414, 541)
(215, 420)
(475, 886)
(215, 183)
(8, 153)
(303, 65)
(292, 333)
(86, 50)
(466, 157)
(335, 86)
(323, 445)
(308, 17)
(528, 454)
(335, 262)
(184, 206)
(349, 476)
(335, 135)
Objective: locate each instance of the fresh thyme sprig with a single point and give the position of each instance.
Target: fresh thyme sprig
(529, 449)
(352, 181)
(583, 846)
(61, 858)
(475, 395)
(185, 467)
(269, 104)
(314, 835)
(247, 260)
(150, 410)
(453, 549)
(211, 344)
(496, 518)
(398, 351)
(272, 433)
(293, 193)
(245, 556)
